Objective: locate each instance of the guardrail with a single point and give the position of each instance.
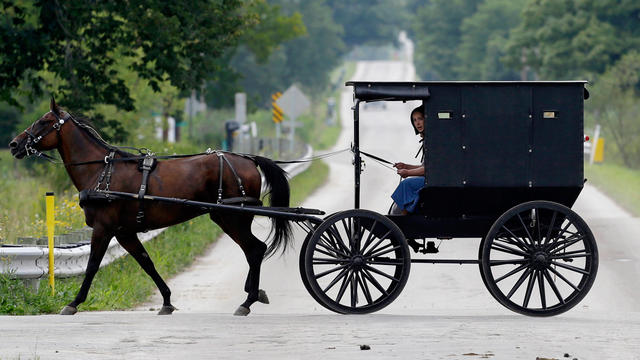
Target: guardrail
(32, 262)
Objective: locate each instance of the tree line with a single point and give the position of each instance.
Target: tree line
(594, 40)
(119, 60)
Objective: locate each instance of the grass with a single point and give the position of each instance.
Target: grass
(620, 183)
(23, 184)
(123, 284)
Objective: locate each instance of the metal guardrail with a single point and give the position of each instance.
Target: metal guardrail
(32, 262)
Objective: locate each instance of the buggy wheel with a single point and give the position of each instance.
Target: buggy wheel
(356, 261)
(539, 259)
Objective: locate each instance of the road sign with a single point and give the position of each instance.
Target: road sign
(293, 102)
(277, 112)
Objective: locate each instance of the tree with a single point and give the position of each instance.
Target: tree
(369, 22)
(256, 65)
(483, 41)
(311, 57)
(437, 31)
(80, 42)
(564, 39)
(614, 102)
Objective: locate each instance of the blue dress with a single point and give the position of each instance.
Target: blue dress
(407, 193)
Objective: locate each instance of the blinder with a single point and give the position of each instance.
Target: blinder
(33, 139)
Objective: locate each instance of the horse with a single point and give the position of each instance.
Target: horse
(201, 177)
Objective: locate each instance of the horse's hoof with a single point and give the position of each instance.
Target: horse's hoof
(242, 311)
(262, 297)
(68, 310)
(167, 310)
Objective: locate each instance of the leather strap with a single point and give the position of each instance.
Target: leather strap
(147, 165)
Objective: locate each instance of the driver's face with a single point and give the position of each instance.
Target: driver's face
(418, 121)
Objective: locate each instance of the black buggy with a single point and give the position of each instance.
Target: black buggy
(504, 163)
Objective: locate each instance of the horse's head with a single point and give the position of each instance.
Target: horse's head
(41, 135)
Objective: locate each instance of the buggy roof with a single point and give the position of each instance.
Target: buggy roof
(419, 90)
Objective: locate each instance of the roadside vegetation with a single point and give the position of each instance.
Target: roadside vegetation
(619, 182)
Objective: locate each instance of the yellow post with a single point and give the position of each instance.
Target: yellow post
(599, 155)
(50, 234)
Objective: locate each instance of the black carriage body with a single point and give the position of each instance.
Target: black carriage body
(488, 147)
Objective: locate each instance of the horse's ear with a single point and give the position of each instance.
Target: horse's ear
(53, 106)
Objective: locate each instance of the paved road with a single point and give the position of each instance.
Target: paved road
(444, 312)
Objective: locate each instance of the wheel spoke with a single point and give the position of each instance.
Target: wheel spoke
(365, 289)
(383, 248)
(338, 277)
(512, 272)
(553, 221)
(370, 237)
(332, 270)
(571, 256)
(526, 229)
(359, 233)
(332, 261)
(527, 295)
(329, 252)
(543, 297)
(384, 251)
(571, 267)
(518, 283)
(558, 274)
(382, 273)
(508, 250)
(563, 230)
(343, 286)
(565, 244)
(346, 225)
(375, 282)
(330, 243)
(553, 286)
(339, 240)
(374, 247)
(336, 238)
(510, 241)
(353, 285)
(508, 262)
(516, 238)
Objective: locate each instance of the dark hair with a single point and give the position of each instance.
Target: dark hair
(419, 109)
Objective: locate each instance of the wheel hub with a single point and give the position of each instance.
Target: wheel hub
(540, 260)
(358, 261)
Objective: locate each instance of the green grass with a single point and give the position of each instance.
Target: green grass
(620, 183)
(123, 284)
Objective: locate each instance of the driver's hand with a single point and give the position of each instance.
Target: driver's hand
(400, 165)
(403, 172)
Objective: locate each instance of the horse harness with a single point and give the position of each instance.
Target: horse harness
(147, 164)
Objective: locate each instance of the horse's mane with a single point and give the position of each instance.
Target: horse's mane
(86, 125)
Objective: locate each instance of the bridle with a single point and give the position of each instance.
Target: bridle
(33, 139)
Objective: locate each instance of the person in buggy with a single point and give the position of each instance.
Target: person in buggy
(406, 195)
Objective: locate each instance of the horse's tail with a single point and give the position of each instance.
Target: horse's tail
(276, 180)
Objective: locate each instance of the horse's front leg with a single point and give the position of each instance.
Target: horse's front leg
(99, 243)
(132, 244)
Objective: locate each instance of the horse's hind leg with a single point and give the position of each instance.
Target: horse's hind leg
(99, 244)
(132, 244)
(239, 229)
(254, 250)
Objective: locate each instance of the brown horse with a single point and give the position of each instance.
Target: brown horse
(195, 178)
